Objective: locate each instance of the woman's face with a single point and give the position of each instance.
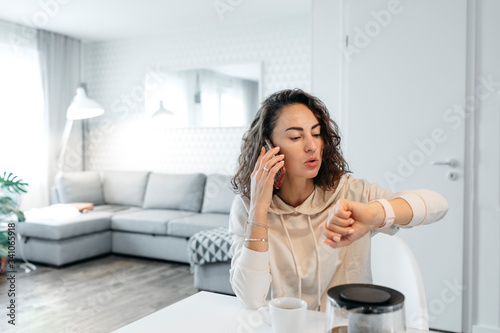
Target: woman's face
(297, 133)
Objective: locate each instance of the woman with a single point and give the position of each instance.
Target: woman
(313, 232)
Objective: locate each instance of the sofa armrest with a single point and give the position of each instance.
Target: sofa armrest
(54, 196)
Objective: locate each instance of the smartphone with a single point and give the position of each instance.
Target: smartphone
(278, 179)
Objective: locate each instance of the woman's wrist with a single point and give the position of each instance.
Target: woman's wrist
(256, 236)
(384, 216)
(378, 212)
(252, 223)
(259, 216)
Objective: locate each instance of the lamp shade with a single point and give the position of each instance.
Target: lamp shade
(83, 107)
(162, 112)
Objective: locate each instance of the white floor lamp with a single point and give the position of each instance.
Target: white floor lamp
(81, 107)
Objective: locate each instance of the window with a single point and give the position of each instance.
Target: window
(22, 136)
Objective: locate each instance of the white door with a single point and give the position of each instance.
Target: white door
(404, 91)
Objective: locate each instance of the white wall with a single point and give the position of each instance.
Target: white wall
(486, 225)
(484, 289)
(326, 58)
(115, 71)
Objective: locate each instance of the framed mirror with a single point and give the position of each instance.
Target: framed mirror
(215, 96)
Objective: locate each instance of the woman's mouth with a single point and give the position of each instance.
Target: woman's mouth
(312, 163)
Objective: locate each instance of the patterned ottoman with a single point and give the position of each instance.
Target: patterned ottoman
(210, 257)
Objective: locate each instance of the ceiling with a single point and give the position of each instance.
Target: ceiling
(94, 20)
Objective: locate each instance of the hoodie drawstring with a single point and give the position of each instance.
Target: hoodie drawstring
(318, 261)
(295, 259)
(293, 255)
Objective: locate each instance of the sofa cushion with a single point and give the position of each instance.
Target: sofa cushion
(218, 195)
(175, 191)
(55, 229)
(210, 246)
(151, 221)
(115, 209)
(124, 187)
(82, 186)
(187, 226)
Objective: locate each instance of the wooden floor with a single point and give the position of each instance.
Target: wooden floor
(96, 296)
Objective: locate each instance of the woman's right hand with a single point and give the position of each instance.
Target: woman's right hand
(262, 181)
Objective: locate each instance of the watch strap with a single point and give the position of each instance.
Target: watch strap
(389, 213)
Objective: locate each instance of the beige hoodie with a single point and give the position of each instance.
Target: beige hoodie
(298, 263)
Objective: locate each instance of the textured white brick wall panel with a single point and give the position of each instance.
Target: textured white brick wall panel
(114, 72)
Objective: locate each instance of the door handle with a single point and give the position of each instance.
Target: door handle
(451, 163)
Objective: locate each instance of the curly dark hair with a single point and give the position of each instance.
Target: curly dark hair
(333, 166)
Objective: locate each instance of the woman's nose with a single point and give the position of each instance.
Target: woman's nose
(310, 144)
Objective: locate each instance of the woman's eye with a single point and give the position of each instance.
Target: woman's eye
(295, 138)
(317, 135)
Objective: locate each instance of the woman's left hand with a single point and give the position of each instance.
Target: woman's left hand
(349, 220)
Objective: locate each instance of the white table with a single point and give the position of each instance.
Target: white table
(209, 312)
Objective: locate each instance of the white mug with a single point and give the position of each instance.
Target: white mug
(287, 314)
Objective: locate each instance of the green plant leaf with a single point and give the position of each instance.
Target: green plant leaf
(7, 201)
(4, 239)
(11, 184)
(6, 208)
(16, 186)
(4, 244)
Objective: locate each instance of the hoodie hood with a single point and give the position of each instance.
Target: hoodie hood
(318, 201)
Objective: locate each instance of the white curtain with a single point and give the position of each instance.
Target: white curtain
(60, 69)
(22, 134)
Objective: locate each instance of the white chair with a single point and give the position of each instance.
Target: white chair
(394, 266)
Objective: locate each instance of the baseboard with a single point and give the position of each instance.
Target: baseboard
(485, 329)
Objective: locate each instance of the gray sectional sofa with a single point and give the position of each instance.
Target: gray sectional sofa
(143, 214)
